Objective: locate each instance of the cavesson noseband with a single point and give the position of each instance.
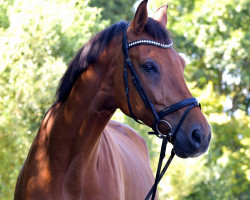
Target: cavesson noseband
(158, 116)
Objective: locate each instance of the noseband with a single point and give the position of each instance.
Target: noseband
(158, 116)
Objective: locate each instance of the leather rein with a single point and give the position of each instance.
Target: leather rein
(158, 116)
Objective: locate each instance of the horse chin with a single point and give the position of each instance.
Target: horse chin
(183, 150)
(180, 153)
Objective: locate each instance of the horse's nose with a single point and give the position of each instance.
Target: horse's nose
(192, 144)
(195, 139)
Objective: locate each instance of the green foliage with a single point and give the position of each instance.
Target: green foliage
(115, 11)
(227, 164)
(4, 20)
(228, 160)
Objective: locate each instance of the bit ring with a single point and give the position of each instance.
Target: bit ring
(159, 133)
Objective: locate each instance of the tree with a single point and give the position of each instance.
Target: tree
(115, 11)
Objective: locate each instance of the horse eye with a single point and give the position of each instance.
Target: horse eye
(149, 68)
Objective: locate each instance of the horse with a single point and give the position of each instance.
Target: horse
(78, 152)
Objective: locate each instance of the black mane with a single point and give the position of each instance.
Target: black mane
(90, 52)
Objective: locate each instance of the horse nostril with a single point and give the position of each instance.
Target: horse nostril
(196, 138)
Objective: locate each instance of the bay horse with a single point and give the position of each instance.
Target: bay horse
(78, 152)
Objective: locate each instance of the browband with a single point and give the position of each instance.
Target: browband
(149, 42)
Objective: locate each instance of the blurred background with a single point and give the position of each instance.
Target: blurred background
(38, 38)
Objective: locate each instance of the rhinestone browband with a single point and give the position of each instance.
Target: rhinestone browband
(149, 42)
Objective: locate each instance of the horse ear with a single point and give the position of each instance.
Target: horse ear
(161, 15)
(140, 19)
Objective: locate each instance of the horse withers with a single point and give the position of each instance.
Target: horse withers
(78, 152)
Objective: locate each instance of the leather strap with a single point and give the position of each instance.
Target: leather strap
(151, 191)
(191, 102)
(177, 106)
(136, 81)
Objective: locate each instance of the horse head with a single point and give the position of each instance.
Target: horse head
(160, 71)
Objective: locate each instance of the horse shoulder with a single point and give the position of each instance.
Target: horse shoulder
(130, 135)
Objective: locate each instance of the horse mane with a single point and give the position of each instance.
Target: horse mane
(90, 52)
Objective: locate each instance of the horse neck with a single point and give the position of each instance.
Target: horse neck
(74, 128)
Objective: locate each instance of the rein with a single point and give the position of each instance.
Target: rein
(158, 116)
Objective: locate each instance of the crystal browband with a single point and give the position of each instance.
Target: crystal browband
(149, 42)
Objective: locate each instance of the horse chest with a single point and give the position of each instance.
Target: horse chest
(120, 171)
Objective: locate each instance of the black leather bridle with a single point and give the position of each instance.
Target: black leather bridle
(158, 116)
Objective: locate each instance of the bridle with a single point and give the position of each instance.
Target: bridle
(158, 116)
